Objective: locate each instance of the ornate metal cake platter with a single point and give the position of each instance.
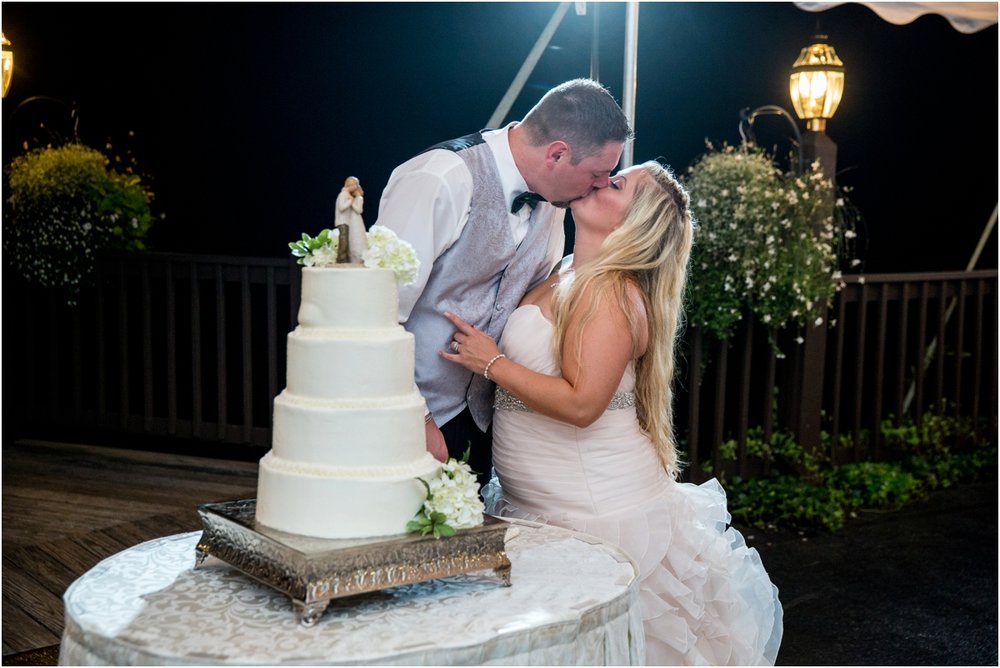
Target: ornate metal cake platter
(313, 571)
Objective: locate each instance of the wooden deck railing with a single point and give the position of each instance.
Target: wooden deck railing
(186, 346)
(891, 346)
(193, 347)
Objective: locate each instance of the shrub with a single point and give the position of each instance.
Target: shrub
(806, 492)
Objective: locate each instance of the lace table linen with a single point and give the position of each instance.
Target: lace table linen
(573, 600)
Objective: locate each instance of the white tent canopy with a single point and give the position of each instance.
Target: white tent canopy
(965, 17)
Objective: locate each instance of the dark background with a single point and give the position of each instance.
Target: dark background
(247, 117)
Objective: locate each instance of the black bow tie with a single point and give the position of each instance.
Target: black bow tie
(529, 198)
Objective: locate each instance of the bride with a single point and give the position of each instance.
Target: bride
(583, 429)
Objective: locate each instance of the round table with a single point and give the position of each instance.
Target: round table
(573, 599)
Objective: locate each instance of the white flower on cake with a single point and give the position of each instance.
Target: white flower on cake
(452, 501)
(388, 251)
(385, 251)
(324, 255)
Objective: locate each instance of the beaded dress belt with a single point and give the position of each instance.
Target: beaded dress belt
(505, 401)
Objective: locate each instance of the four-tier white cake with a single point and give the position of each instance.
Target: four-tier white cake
(348, 433)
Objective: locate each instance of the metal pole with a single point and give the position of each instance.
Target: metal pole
(982, 241)
(595, 43)
(932, 347)
(631, 62)
(527, 66)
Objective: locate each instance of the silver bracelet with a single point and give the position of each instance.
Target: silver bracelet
(486, 371)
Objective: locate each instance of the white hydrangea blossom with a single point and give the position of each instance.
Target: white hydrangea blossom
(455, 494)
(388, 251)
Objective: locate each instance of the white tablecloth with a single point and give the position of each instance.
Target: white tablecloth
(573, 600)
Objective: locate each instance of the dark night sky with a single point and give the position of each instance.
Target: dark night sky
(250, 115)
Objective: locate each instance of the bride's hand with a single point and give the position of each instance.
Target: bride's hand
(469, 347)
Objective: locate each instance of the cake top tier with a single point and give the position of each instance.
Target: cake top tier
(348, 296)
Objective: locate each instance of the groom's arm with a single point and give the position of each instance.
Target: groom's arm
(426, 203)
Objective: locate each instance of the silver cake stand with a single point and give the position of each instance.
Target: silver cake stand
(313, 571)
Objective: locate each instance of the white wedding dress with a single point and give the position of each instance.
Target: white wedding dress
(705, 596)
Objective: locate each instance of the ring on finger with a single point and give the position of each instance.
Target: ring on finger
(454, 346)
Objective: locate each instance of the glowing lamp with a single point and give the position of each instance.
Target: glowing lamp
(817, 83)
(8, 64)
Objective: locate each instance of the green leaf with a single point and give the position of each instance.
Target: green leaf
(443, 530)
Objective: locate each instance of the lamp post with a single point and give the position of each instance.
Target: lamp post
(816, 86)
(8, 63)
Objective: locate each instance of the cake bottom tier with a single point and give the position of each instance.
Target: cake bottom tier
(327, 502)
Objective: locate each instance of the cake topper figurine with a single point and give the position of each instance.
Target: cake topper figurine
(348, 221)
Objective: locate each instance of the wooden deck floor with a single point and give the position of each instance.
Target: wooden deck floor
(886, 579)
(66, 507)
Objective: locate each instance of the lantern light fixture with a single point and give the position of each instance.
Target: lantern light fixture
(8, 64)
(816, 83)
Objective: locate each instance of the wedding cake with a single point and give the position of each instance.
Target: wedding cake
(348, 441)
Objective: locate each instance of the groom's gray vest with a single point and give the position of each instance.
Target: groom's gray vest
(481, 278)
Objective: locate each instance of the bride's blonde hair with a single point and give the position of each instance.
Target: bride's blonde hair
(650, 249)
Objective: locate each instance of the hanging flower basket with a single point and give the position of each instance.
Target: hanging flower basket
(64, 205)
(767, 243)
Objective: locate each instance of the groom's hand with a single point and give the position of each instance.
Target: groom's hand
(435, 441)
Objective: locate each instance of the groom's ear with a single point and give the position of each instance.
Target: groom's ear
(557, 152)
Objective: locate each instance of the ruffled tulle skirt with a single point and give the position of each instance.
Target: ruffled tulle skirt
(706, 598)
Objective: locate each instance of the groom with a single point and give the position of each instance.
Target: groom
(485, 215)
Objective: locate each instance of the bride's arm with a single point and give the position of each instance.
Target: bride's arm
(588, 381)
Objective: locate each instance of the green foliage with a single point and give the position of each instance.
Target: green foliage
(767, 243)
(941, 450)
(452, 501)
(936, 432)
(874, 485)
(64, 205)
(806, 492)
(306, 247)
(782, 448)
(431, 523)
(785, 501)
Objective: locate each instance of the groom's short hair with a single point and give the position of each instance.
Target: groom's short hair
(580, 112)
